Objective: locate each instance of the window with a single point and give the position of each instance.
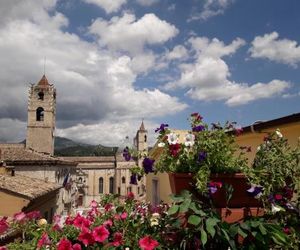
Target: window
(40, 114)
(123, 180)
(41, 96)
(145, 138)
(119, 190)
(46, 215)
(111, 185)
(100, 185)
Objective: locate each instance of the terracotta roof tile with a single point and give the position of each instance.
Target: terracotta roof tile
(43, 82)
(26, 186)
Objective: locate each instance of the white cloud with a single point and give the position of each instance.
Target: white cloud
(16, 132)
(126, 33)
(108, 5)
(147, 2)
(94, 85)
(179, 52)
(207, 78)
(211, 8)
(279, 50)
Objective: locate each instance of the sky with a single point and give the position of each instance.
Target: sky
(115, 63)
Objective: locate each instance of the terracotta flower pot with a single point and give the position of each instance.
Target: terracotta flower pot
(240, 197)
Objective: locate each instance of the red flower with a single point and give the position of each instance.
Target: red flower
(278, 197)
(108, 207)
(100, 233)
(86, 237)
(3, 225)
(286, 230)
(118, 239)
(64, 244)
(43, 241)
(174, 149)
(130, 196)
(147, 243)
(80, 221)
(69, 221)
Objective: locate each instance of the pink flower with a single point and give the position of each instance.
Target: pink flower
(124, 216)
(33, 215)
(3, 225)
(278, 197)
(94, 204)
(64, 244)
(80, 221)
(118, 239)
(43, 241)
(86, 237)
(108, 223)
(147, 243)
(100, 233)
(19, 216)
(76, 246)
(117, 217)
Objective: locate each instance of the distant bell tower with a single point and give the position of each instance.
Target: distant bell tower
(141, 141)
(41, 117)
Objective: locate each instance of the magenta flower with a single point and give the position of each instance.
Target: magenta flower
(33, 215)
(80, 221)
(124, 216)
(100, 233)
(76, 246)
(147, 243)
(86, 237)
(94, 204)
(130, 196)
(108, 207)
(108, 223)
(3, 225)
(64, 244)
(118, 239)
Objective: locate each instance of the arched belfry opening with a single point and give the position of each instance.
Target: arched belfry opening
(41, 95)
(40, 114)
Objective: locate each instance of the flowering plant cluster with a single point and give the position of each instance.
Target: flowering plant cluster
(117, 223)
(203, 151)
(275, 172)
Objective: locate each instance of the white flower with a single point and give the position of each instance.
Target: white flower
(276, 209)
(154, 222)
(258, 148)
(161, 144)
(155, 215)
(189, 140)
(172, 138)
(278, 133)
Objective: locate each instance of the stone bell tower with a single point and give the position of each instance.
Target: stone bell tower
(141, 141)
(41, 117)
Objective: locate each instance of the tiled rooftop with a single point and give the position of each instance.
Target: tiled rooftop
(26, 186)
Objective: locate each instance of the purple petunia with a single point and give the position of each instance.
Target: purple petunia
(126, 154)
(255, 191)
(148, 165)
(198, 128)
(133, 179)
(161, 128)
(202, 156)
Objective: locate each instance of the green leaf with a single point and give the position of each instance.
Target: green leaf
(173, 209)
(262, 229)
(210, 224)
(241, 232)
(245, 226)
(203, 237)
(194, 220)
(184, 207)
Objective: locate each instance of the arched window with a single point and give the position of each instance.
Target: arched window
(111, 185)
(100, 185)
(123, 180)
(145, 138)
(41, 95)
(40, 114)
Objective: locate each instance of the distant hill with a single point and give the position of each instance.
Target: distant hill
(67, 147)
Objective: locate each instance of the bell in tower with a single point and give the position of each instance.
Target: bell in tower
(41, 117)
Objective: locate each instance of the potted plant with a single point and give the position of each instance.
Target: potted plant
(208, 156)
